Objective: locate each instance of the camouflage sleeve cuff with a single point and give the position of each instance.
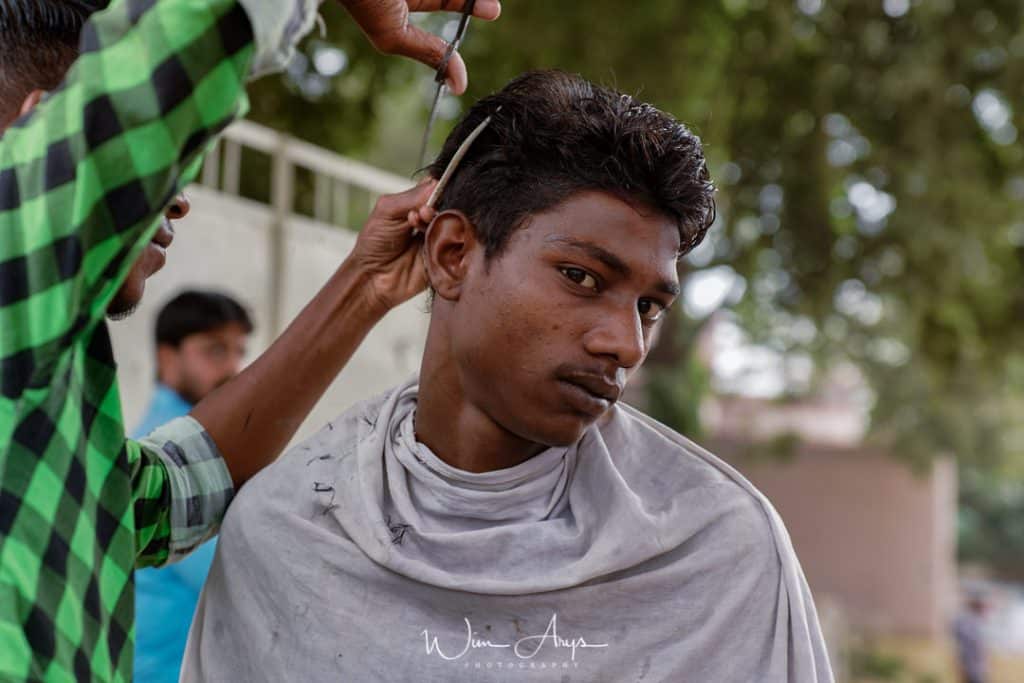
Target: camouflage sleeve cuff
(200, 484)
(278, 25)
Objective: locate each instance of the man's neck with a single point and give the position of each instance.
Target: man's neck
(458, 432)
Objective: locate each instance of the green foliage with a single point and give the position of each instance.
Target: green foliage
(870, 664)
(674, 394)
(991, 522)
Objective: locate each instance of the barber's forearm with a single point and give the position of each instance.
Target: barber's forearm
(252, 417)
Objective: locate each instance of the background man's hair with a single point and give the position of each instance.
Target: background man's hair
(198, 311)
(38, 42)
(556, 135)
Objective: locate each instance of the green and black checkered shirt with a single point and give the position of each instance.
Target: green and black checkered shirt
(83, 183)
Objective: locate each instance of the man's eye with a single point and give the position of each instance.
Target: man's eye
(650, 310)
(580, 277)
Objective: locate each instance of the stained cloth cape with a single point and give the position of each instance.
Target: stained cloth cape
(632, 555)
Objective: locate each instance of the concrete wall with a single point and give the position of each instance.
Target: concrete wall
(875, 539)
(224, 244)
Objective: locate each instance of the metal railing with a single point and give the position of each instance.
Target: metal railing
(334, 178)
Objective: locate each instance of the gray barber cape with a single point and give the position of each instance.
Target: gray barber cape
(632, 556)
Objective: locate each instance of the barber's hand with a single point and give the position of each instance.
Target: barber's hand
(387, 251)
(386, 24)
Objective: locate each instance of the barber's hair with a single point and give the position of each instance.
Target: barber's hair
(38, 43)
(556, 135)
(196, 312)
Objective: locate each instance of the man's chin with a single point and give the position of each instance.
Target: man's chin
(119, 310)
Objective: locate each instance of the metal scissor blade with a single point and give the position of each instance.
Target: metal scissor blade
(441, 87)
(439, 77)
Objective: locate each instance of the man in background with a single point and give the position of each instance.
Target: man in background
(201, 341)
(969, 632)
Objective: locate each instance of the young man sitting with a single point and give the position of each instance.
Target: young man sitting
(502, 513)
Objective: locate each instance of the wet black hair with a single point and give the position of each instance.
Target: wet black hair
(556, 135)
(197, 311)
(38, 43)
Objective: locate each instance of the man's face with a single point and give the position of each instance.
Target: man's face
(547, 334)
(203, 361)
(149, 262)
(152, 258)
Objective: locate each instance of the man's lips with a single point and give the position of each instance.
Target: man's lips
(597, 385)
(156, 257)
(589, 394)
(164, 235)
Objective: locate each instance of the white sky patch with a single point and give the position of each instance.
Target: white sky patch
(810, 7)
(995, 116)
(853, 300)
(739, 367)
(871, 204)
(708, 290)
(329, 61)
(889, 351)
(896, 8)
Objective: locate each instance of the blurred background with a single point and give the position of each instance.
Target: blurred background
(850, 335)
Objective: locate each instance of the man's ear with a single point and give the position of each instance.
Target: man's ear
(30, 102)
(448, 247)
(27, 105)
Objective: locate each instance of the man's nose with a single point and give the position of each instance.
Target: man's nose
(178, 208)
(619, 336)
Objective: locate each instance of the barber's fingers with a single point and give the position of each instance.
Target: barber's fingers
(397, 207)
(425, 47)
(488, 10)
(386, 24)
(420, 219)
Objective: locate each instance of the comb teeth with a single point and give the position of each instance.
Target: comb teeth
(453, 165)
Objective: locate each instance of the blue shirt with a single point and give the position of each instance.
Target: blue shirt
(165, 599)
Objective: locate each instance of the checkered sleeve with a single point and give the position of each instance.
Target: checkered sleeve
(84, 178)
(182, 489)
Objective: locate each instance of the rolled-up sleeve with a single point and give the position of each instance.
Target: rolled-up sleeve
(277, 27)
(182, 490)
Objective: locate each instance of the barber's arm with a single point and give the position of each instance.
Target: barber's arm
(186, 471)
(252, 417)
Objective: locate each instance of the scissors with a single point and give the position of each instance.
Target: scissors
(439, 77)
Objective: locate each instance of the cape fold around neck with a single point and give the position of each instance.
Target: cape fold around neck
(555, 521)
(435, 497)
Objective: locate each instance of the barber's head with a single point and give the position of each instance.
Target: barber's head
(554, 256)
(201, 340)
(38, 44)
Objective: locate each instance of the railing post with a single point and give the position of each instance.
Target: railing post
(321, 198)
(340, 204)
(232, 167)
(211, 168)
(282, 182)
